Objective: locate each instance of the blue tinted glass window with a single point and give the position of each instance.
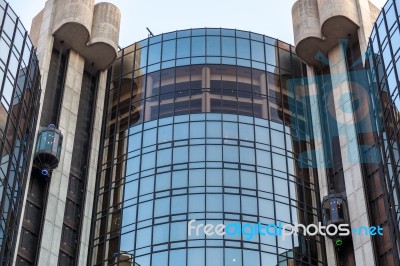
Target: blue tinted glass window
(215, 256)
(177, 257)
(257, 51)
(270, 54)
(134, 142)
(230, 130)
(281, 187)
(168, 50)
(214, 130)
(231, 203)
(197, 177)
(233, 257)
(214, 203)
(198, 46)
(127, 241)
(141, 57)
(197, 153)
(249, 205)
(196, 257)
(183, 48)
(247, 155)
(282, 212)
(148, 160)
(246, 132)
(128, 215)
(163, 181)
(161, 207)
(181, 131)
(214, 177)
(197, 129)
(143, 237)
(159, 258)
(214, 153)
(229, 46)
(243, 48)
(131, 190)
(178, 231)
(231, 178)
(213, 46)
(263, 158)
(154, 53)
(231, 153)
(179, 204)
(262, 135)
(248, 179)
(196, 203)
(278, 139)
(266, 208)
(180, 154)
(179, 179)
(251, 257)
(164, 157)
(165, 134)
(279, 162)
(146, 185)
(149, 137)
(4, 50)
(145, 211)
(132, 166)
(142, 260)
(198, 32)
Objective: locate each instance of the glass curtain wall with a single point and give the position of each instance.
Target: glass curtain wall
(384, 63)
(211, 125)
(19, 103)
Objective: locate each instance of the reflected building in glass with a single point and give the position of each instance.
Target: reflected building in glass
(356, 153)
(212, 125)
(19, 105)
(383, 61)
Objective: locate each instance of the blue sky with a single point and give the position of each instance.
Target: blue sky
(269, 17)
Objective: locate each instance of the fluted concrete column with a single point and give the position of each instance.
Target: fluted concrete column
(319, 152)
(353, 177)
(92, 173)
(54, 215)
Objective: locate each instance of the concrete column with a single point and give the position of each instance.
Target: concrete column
(356, 197)
(91, 177)
(54, 216)
(43, 42)
(319, 152)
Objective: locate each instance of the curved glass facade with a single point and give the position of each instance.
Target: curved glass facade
(384, 62)
(19, 103)
(209, 125)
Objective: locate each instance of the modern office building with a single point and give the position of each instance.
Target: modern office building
(354, 155)
(211, 125)
(19, 105)
(199, 127)
(75, 42)
(383, 58)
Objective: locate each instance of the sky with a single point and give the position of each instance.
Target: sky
(269, 17)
